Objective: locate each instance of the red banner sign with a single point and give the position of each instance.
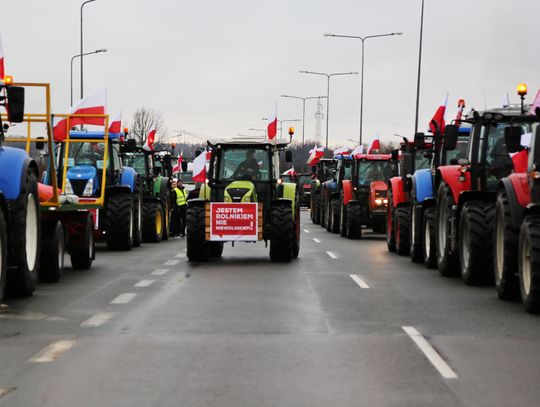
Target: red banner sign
(233, 221)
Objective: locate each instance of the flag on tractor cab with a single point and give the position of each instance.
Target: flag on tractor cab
(315, 155)
(437, 123)
(2, 71)
(93, 105)
(460, 108)
(272, 125)
(208, 154)
(357, 150)
(535, 104)
(149, 143)
(290, 171)
(374, 145)
(178, 165)
(115, 125)
(341, 151)
(199, 167)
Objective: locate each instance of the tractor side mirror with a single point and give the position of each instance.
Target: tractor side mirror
(15, 104)
(184, 166)
(395, 155)
(288, 156)
(451, 133)
(40, 145)
(129, 146)
(512, 138)
(419, 140)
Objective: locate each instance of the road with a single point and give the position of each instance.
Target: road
(146, 328)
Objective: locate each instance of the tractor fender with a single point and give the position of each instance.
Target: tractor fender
(163, 188)
(398, 194)
(422, 185)
(129, 178)
(431, 201)
(466, 196)
(514, 189)
(456, 180)
(288, 192)
(521, 188)
(117, 189)
(14, 161)
(347, 191)
(283, 202)
(204, 192)
(196, 202)
(157, 185)
(330, 185)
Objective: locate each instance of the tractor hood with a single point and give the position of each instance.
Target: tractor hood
(240, 191)
(81, 172)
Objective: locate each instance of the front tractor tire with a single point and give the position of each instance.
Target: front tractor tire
(401, 230)
(281, 234)
(354, 221)
(529, 264)
(333, 225)
(447, 261)
(390, 233)
(84, 253)
(51, 268)
(153, 222)
(416, 234)
(430, 236)
(119, 223)
(316, 209)
(198, 249)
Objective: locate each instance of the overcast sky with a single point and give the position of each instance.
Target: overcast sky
(217, 67)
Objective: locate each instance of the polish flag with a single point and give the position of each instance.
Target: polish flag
(149, 143)
(315, 155)
(290, 171)
(178, 165)
(93, 104)
(115, 126)
(199, 168)
(374, 145)
(357, 150)
(2, 72)
(341, 151)
(460, 108)
(437, 123)
(208, 154)
(535, 104)
(272, 125)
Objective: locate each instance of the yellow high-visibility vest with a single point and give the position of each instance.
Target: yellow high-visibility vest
(181, 198)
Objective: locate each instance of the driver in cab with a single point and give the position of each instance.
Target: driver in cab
(248, 168)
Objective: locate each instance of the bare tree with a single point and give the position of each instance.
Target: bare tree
(145, 120)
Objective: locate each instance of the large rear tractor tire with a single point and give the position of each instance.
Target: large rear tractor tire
(3, 254)
(25, 236)
(334, 216)
(84, 253)
(216, 249)
(401, 228)
(430, 235)
(390, 234)
(119, 222)
(342, 219)
(296, 234)
(506, 241)
(529, 264)
(447, 261)
(354, 221)
(476, 242)
(281, 234)
(51, 267)
(153, 224)
(198, 249)
(166, 205)
(137, 221)
(416, 237)
(316, 209)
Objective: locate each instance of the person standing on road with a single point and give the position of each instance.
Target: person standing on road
(179, 195)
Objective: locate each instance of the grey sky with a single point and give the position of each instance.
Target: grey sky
(216, 67)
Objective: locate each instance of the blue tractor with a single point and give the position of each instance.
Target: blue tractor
(19, 204)
(331, 191)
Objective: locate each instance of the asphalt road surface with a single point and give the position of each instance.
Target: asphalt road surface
(347, 324)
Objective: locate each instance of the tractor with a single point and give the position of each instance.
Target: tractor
(323, 171)
(303, 183)
(244, 200)
(467, 194)
(363, 197)
(19, 204)
(154, 186)
(331, 191)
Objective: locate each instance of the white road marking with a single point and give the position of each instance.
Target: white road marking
(52, 352)
(307, 231)
(332, 255)
(97, 320)
(436, 360)
(359, 281)
(316, 240)
(170, 262)
(180, 255)
(124, 298)
(143, 283)
(159, 272)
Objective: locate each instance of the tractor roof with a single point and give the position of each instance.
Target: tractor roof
(373, 157)
(250, 142)
(97, 135)
(502, 114)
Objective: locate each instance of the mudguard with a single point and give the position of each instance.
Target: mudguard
(451, 174)
(331, 185)
(398, 194)
(14, 164)
(516, 207)
(196, 202)
(423, 185)
(347, 188)
(520, 185)
(204, 192)
(129, 178)
(288, 192)
(117, 189)
(157, 185)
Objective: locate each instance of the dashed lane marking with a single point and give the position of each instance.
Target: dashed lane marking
(170, 262)
(307, 231)
(359, 281)
(97, 320)
(180, 255)
(159, 272)
(143, 283)
(332, 255)
(124, 298)
(52, 352)
(316, 240)
(430, 353)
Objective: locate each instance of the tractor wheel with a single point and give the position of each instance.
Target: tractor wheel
(324, 211)
(198, 249)
(119, 222)
(415, 234)
(137, 221)
(335, 208)
(447, 261)
(506, 241)
(529, 264)
(25, 234)
(316, 209)
(401, 227)
(166, 204)
(343, 219)
(152, 222)
(216, 249)
(51, 266)
(429, 227)
(281, 234)
(476, 242)
(3, 254)
(296, 234)
(83, 255)
(354, 224)
(390, 234)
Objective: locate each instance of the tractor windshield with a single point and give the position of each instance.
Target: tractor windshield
(422, 159)
(370, 171)
(244, 163)
(452, 156)
(136, 161)
(86, 153)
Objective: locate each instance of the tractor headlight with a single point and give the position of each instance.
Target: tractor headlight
(89, 188)
(68, 189)
(385, 201)
(378, 201)
(246, 198)
(227, 198)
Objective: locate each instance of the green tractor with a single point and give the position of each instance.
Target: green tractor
(155, 191)
(245, 200)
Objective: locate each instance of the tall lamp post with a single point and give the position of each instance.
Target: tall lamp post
(328, 76)
(303, 99)
(363, 39)
(419, 68)
(97, 51)
(82, 52)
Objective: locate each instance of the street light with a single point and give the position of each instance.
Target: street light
(328, 75)
(363, 39)
(97, 51)
(303, 108)
(419, 68)
(82, 52)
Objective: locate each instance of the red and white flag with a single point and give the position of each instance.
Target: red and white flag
(199, 168)
(460, 108)
(272, 125)
(374, 145)
(93, 104)
(149, 143)
(437, 122)
(115, 125)
(358, 150)
(2, 71)
(341, 150)
(535, 104)
(178, 165)
(315, 155)
(290, 171)
(208, 154)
